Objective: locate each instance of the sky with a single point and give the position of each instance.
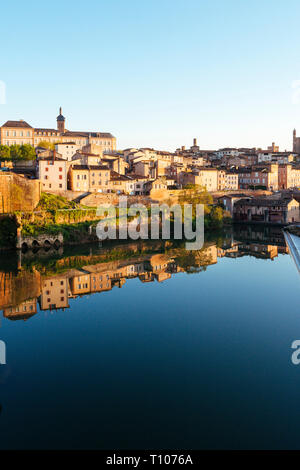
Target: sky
(155, 73)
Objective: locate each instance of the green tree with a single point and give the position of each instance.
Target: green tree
(14, 152)
(4, 152)
(216, 217)
(48, 145)
(195, 194)
(27, 152)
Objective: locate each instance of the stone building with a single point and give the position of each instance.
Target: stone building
(20, 132)
(206, 177)
(16, 133)
(89, 178)
(266, 210)
(288, 176)
(52, 173)
(263, 177)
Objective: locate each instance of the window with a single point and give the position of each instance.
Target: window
(60, 168)
(46, 169)
(60, 177)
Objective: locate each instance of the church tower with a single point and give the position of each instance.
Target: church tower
(60, 122)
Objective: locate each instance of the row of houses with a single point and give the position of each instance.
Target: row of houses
(280, 208)
(89, 170)
(86, 162)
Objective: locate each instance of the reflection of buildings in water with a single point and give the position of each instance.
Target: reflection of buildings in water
(229, 252)
(284, 250)
(269, 235)
(89, 282)
(159, 264)
(54, 293)
(16, 291)
(18, 294)
(259, 250)
(211, 252)
(23, 311)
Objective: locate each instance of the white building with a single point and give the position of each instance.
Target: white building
(227, 152)
(278, 157)
(67, 149)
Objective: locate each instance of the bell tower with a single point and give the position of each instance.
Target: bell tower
(60, 122)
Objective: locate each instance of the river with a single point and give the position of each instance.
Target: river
(147, 346)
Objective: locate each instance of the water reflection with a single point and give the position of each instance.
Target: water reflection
(49, 279)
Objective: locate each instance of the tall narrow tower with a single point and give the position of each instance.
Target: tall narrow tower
(60, 122)
(294, 140)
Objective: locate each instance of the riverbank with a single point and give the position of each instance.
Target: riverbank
(293, 242)
(57, 221)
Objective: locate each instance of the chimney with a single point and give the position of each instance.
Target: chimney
(183, 147)
(195, 142)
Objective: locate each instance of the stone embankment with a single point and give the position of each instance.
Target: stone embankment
(293, 242)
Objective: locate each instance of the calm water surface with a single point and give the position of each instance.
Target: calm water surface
(150, 347)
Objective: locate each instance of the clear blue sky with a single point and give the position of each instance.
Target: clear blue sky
(155, 72)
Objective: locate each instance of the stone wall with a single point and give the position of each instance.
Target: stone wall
(96, 199)
(18, 193)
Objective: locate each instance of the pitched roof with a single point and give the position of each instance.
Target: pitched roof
(90, 167)
(87, 134)
(20, 124)
(116, 176)
(65, 143)
(264, 202)
(50, 159)
(44, 129)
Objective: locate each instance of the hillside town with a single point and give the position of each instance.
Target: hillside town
(253, 184)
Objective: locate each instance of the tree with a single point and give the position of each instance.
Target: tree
(4, 152)
(193, 261)
(48, 145)
(14, 152)
(216, 217)
(195, 194)
(27, 152)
